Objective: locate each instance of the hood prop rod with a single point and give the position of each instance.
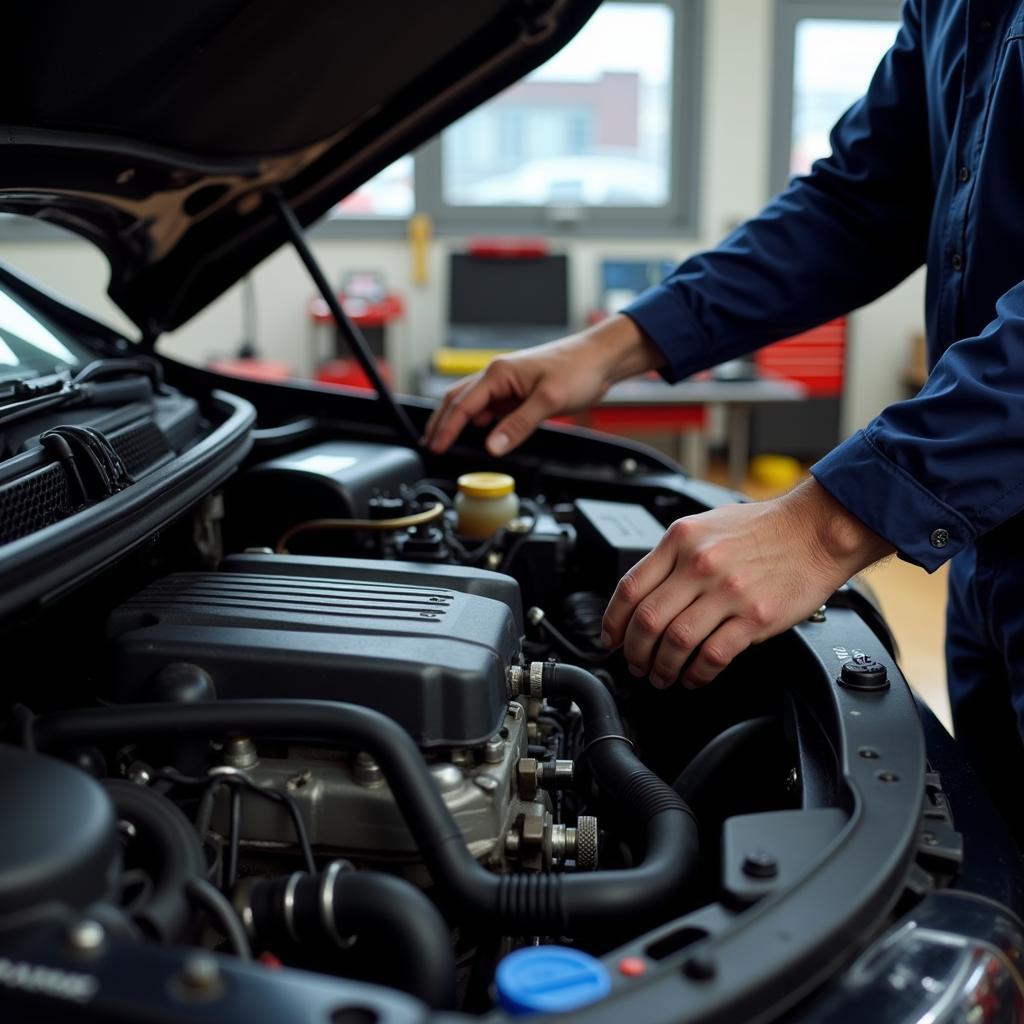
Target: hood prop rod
(351, 333)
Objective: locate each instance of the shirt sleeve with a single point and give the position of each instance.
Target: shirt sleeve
(834, 240)
(933, 473)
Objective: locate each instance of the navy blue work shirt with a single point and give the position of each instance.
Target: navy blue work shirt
(927, 167)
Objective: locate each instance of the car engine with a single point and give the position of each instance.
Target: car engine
(316, 723)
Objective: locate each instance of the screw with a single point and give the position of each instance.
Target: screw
(760, 864)
(494, 750)
(139, 774)
(86, 936)
(887, 777)
(868, 753)
(818, 616)
(929, 839)
(127, 829)
(628, 467)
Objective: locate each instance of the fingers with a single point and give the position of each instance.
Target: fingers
(732, 638)
(650, 572)
(440, 414)
(681, 637)
(519, 424)
(652, 617)
(460, 406)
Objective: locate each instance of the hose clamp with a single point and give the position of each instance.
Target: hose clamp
(327, 912)
(537, 679)
(289, 905)
(607, 736)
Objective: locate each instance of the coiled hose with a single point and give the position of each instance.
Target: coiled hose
(508, 904)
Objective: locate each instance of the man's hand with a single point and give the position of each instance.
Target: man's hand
(726, 579)
(523, 389)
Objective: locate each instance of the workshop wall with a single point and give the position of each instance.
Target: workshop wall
(735, 173)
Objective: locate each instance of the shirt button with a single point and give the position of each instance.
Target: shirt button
(964, 173)
(939, 538)
(957, 261)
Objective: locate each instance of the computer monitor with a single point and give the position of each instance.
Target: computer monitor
(501, 302)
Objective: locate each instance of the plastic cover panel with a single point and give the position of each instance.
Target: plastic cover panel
(432, 658)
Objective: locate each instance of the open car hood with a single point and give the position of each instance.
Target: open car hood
(159, 133)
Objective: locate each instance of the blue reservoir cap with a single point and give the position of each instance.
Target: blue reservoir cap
(550, 979)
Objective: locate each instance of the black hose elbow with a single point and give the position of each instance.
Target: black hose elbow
(402, 939)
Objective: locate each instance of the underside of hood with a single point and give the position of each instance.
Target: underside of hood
(159, 132)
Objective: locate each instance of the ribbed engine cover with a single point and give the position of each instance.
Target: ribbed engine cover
(432, 658)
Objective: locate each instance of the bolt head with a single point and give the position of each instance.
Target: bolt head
(760, 864)
(86, 936)
(200, 973)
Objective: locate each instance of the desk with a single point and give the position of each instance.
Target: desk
(736, 397)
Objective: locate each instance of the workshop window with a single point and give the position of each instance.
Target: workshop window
(826, 53)
(603, 134)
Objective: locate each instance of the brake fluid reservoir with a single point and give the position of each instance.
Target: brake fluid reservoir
(485, 503)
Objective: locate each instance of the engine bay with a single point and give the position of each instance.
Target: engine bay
(316, 724)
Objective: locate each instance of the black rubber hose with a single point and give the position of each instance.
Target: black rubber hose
(711, 760)
(672, 846)
(401, 936)
(510, 904)
(166, 845)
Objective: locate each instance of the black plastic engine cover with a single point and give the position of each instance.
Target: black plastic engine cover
(430, 657)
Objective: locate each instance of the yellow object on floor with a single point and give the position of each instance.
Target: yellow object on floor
(459, 361)
(779, 472)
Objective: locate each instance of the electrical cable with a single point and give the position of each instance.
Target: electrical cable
(435, 511)
(234, 837)
(235, 777)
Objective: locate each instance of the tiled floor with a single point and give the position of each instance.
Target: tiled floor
(914, 604)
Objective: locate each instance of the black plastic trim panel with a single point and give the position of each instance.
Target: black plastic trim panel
(53, 560)
(764, 960)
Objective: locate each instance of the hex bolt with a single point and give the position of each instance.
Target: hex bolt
(86, 936)
(528, 777)
(240, 752)
(760, 864)
(494, 750)
(366, 771)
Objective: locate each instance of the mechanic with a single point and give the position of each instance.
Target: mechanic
(927, 167)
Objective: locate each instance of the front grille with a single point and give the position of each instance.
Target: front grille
(32, 502)
(140, 445)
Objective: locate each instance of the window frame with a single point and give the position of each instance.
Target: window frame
(788, 14)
